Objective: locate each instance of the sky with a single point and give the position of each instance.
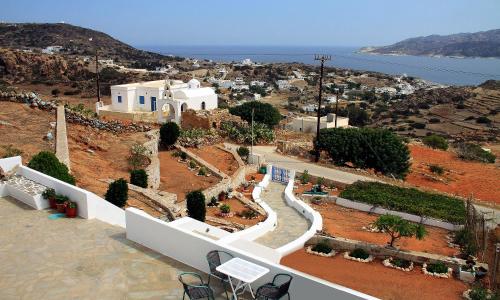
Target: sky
(261, 22)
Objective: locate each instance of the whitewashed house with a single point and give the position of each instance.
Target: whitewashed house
(308, 124)
(283, 84)
(159, 100)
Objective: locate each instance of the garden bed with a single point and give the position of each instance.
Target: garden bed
(222, 160)
(237, 207)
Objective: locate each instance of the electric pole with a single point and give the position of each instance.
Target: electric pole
(336, 106)
(321, 58)
(251, 148)
(97, 73)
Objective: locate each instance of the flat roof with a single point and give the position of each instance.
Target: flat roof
(151, 84)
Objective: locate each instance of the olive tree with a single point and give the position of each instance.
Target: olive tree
(397, 227)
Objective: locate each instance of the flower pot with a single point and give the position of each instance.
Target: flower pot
(61, 207)
(71, 212)
(467, 276)
(53, 203)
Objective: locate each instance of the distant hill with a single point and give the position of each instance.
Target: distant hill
(74, 39)
(479, 44)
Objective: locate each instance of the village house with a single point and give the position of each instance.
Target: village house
(283, 84)
(160, 100)
(308, 124)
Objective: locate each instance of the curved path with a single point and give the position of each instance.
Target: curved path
(291, 224)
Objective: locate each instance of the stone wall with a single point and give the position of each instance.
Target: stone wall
(206, 118)
(153, 170)
(62, 149)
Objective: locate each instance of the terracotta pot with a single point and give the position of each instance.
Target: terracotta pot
(52, 203)
(61, 207)
(71, 212)
(222, 197)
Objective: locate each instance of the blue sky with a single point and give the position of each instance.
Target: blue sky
(262, 22)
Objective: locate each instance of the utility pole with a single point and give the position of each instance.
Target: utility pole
(251, 148)
(321, 58)
(97, 73)
(336, 107)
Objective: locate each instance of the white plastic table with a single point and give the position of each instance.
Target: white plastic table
(244, 272)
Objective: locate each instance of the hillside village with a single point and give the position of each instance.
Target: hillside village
(221, 155)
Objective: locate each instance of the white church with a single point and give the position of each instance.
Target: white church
(161, 100)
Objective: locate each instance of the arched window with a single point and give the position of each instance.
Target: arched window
(203, 105)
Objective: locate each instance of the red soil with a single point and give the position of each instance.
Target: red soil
(175, 177)
(348, 223)
(236, 207)
(222, 160)
(461, 178)
(375, 279)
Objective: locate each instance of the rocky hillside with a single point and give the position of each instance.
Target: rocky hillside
(74, 40)
(478, 44)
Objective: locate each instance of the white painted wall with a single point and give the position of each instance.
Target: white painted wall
(191, 249)
(120, 91)
(10, 162)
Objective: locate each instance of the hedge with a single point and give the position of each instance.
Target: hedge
(408, 200)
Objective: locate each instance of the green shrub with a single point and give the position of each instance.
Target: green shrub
(183, 155)
(401, 263)
(47, 163)
(195, 203)
(224, 208)
(483, 120)
(60, 199)
(434, 120)
(169, 133)
(469, 151)
(139, 177)
(243, 152)
(397, 227)
(49, 193)
(202, 171)
(359, 253)
(409, 200)
(418, 125)
(322, 247)
(379, 149)
(435, 142)
(242, 133)
(249, 213)
(117, 192)
(10, 151)
(481, 293)
(263, 112)
(439, 268)
(465, 239)
(138, 156)
(304, 177)
(436, 169)
(192, 164)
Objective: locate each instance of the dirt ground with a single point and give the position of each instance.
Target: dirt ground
(236, 207)
(461, 177)
(25, 128)
(218, 158)
(348, 223)
(175, 177)
(375, 279)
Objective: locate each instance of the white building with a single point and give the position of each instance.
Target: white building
(331, 99)
(52, 49)
(160, 99)
(283, 84)
(257, 83)
(308, 124)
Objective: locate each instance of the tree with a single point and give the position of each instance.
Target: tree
(396, 227)
(379, 149)
(47, 163)
(263, 112)
(196, 205)
(435, 142)
(139, 177)
(243, 152)
(169, 133)
(55, 92)
(138, 157)
(117, 192)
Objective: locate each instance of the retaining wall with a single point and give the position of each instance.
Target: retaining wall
(153, 169)
(62, 149)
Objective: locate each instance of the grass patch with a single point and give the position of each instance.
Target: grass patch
(409, 200)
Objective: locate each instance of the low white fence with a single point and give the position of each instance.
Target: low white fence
(313, 216)
(382, 211)
(191, 248)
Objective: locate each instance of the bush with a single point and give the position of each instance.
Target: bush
(379, 149)
(225, 209)
(465, 239)
(55, 92)
(117, 193)
(49, 193)
(263, 113)
(483, 120)
(401, 263)
(439, 268)
(407, 200)
(482, 293)
(139, 177)
(322, 247)
(436, 169)
(202, 171)
(304, 177)
(195, 203)
(359, 253)
(183, 155)
(47, 163)
(249, 213)
(435, 142)
(434, 120)
(243, 152)
(397, 227)
(417, 125)
(10, 151)
(469, 151)
(169, 133)
(138, 157)
(192, 164)
(242, 133)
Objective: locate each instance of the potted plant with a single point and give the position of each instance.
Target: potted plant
(225, 210)
(322, 248)
(358, 254)
(61, 203)
(50, 194)
(317, 200)
(213, 202)
(71, 209)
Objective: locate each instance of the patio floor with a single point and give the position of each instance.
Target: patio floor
(78, 259)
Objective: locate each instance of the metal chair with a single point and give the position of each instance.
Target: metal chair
(215, 258)
(195, 291)
(275, 290)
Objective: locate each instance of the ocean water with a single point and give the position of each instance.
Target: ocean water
(445, 70)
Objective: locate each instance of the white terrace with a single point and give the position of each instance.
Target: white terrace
(110, 253)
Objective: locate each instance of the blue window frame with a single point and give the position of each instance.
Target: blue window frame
(141, 99)
(153, 103)
(119, 99)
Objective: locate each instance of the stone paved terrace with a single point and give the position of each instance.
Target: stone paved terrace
(291, 224)
(78, 259)
(24, 184)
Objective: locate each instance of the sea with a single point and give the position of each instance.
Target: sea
(443, 70)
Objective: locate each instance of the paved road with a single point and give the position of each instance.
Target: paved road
(291, 163)
(291, 224)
